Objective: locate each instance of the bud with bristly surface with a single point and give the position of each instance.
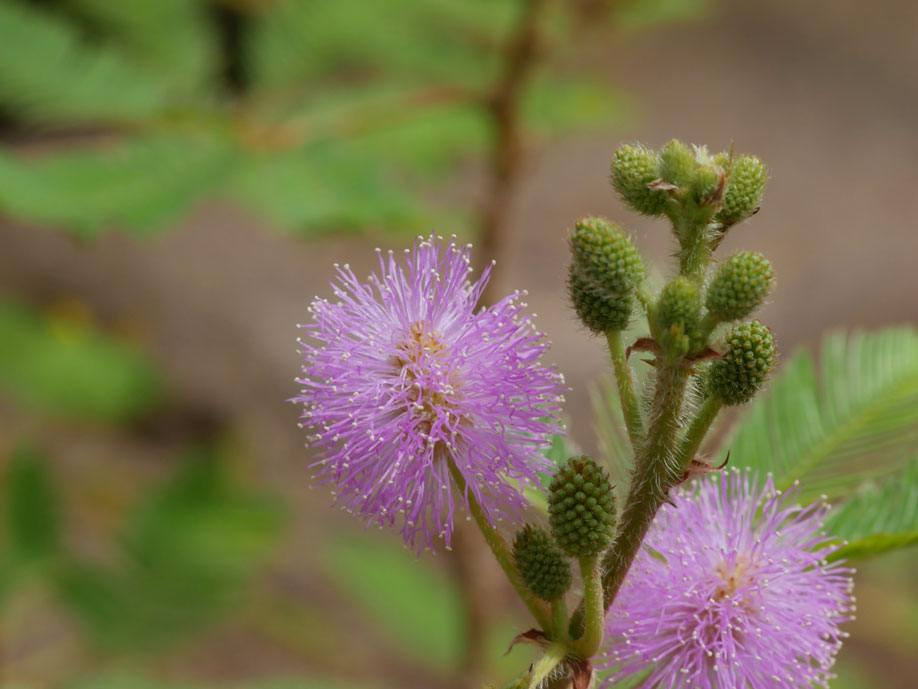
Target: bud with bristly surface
(541, 563)
(634, 169)
(740, 286)
(581, 508)
(740, 374)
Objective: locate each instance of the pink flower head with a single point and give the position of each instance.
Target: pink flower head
(401, 377)
(732, 591)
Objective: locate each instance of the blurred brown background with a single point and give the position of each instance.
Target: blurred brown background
(825, 92)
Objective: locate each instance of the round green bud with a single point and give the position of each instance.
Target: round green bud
(740, 286)
(678, 164)
(678, 318)
(750, 357)
(708, 185)
(541, 563)
(744, 190)
(633, 169)
(605, 257)
(581, 508)
(601, 314)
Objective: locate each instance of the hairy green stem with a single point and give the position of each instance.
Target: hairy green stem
(543, 667)
(691, 228)
(631, 408)
(501, 551)
(559, 620)
(653, 476)
(594, 610)
(701, 424)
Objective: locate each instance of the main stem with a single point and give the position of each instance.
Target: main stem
(653, 476)
(501, 551)
(630, 406)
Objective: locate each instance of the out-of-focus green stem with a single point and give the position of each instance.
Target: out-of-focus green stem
(630, 406)
(501, 551)
(594, 610)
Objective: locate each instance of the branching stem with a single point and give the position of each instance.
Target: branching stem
(653, 476)
(544, 666)
(701, 424)
(501, 551)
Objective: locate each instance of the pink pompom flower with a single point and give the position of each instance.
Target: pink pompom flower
(732, 589)
(401, 376)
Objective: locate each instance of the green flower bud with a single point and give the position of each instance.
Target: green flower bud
(708, 185)
(633, 169)
(678, 318)
(605, 257)
(744, 190)
(541, 563)
(740, 286)
(750, 357)
(581, 508)
(600, 314)
(678, 164)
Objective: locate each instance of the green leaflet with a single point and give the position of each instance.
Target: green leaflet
(184, 62)
(71, 370)
(134, 680)
(323, 187)
(414, 607)
(31, 509)
(136, 185)
(298, 43)
(878, 518)
(554, 105)
(184, 556)
(853, 418)
(49, 74)
(641, 14)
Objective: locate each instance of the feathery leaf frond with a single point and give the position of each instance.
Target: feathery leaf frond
(857, 418)
(170, 37)
(50, 75)
(878, 518)
(137, 185)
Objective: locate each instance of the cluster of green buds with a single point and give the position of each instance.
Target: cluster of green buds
(705, 353)
(703, 196)
(581, 509)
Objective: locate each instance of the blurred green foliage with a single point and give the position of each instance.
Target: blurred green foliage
(846, 429)
(315, 114)
(415, 609)
(63, 367)
(182, 556)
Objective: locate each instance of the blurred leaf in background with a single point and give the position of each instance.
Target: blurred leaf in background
(846, 429)
(315, 114)
(182, 558)
(57, 364)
